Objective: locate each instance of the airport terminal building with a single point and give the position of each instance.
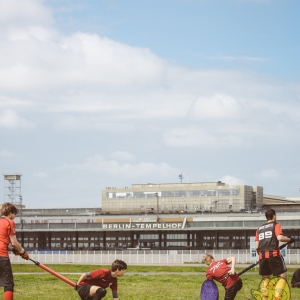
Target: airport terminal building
(195, 216)
(181, 197)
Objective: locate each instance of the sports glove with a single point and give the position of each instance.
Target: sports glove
(25, 255)
(15, 252)
(292, 240)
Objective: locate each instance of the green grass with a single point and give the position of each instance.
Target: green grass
(38, 284)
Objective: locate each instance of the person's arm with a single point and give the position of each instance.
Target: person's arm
(256, 242)
(83, 277)
(282, 238)
(256, 246)
(231, 260)
(115, 294)
(209, 275)
(15, 244)
(114, 290)
(295, 285)
(17, 248)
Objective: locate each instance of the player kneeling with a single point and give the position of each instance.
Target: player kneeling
(92, 285)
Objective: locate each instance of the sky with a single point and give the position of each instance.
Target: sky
(109, 93)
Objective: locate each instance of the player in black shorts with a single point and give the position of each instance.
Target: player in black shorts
(92, 285)
(271, 261)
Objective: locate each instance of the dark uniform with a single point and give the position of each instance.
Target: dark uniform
(270, 258)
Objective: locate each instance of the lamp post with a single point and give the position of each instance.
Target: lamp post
(21, 219)
(180, 177)
(156, 194)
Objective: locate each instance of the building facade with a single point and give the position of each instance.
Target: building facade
(197, 216)
(206, 197)
(177, 231)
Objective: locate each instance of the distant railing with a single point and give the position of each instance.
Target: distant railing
(147, 257)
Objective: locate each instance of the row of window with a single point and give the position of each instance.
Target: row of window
(166, 194)
(219, 239)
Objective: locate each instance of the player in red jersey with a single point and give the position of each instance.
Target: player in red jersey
(221, 272)
(92, 285)
(271, 261)
(8, 241)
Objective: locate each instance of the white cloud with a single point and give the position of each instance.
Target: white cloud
(9, 101)
(219, 106)
(196, 137)
(79, 92)
(24, 13)
(231, 180)
(270, 174)
(98, 164)
(86, 82)
(41, 174)
(6, 153)
(122, 155)
(10, 119)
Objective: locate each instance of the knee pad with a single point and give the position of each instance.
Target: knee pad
(100, 293)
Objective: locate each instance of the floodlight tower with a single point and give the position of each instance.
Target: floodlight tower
(12, 189)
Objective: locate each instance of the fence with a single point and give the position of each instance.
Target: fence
(146, 257)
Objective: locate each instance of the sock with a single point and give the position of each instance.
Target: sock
(264, 288)
(279, 287)
(8, 295)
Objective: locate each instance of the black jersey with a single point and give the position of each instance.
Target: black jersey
(266, 235)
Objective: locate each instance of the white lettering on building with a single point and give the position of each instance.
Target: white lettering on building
(143, 226)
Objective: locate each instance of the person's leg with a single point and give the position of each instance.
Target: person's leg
(97, 292)
(265, 272)
(232, 291)
(279, 270)
(6, 272)
(8, 295)
(100, 293)
(84, 291)
(263, 287)
(279, 287)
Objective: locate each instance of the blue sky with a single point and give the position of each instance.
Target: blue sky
(257, 35)
(110, 93)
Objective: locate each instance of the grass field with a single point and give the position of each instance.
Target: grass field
(138, 283)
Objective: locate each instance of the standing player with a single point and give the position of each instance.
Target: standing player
(271, 261)
(92, 285)
(220, 271)
(7, 236)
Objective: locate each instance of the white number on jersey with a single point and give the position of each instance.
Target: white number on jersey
(265, 235)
